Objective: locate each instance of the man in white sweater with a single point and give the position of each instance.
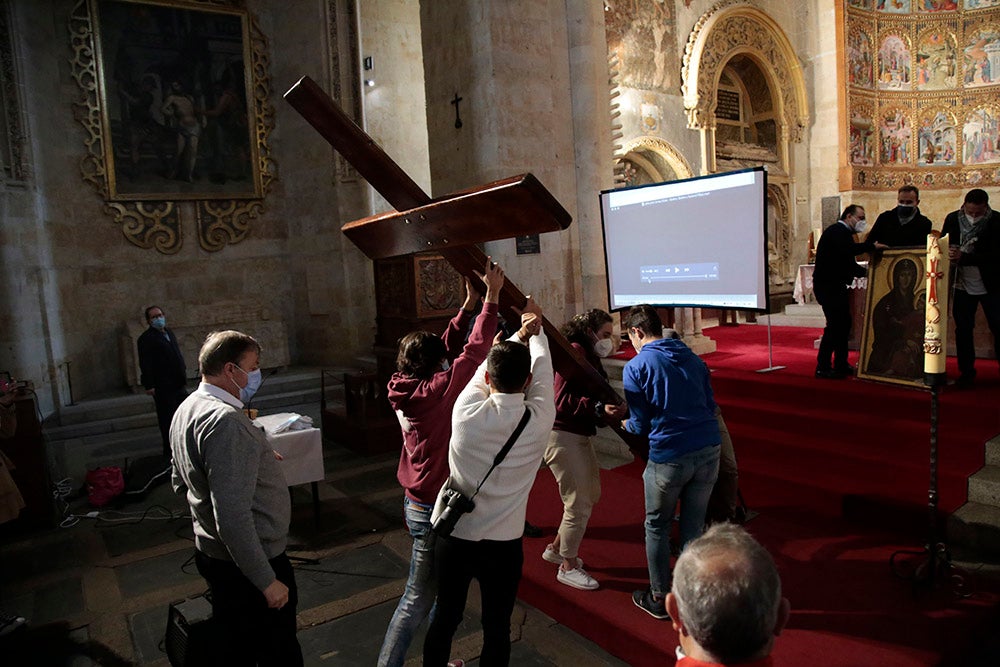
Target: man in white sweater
(486, 543)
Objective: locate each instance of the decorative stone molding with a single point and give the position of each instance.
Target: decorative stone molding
(731, 28)
(14, 161)
(664, 149)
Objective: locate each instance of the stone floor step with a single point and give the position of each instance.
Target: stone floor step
(102, 408)
(993, 451)
(976, 526)
(984, 486)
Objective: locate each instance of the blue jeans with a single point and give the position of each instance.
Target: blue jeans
(689, 478)
(421, 587)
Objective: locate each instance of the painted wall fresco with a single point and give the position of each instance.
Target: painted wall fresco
(980, 136)
(982, 58)
(923, 92)
(938, 5)
(894, 137)
(859, 58)
(893, 6)
(937, 63)
(894, 63)
(937, 140)
(643, 35)
(862, 141)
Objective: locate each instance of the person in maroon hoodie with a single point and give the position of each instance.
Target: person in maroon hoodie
(431, 372)
(570, 455)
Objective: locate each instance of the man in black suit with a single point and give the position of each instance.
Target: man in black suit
(904, 225)
(834, 271)
(162, 370)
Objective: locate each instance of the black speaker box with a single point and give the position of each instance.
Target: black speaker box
(190, 640)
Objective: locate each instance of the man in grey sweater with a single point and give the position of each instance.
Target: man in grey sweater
(239, 506)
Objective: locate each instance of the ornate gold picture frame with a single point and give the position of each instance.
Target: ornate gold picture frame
(893, 332)
(176, 102)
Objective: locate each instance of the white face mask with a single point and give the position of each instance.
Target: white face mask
(445, 365)
(974, 220)
(604, 347)
(860, 226)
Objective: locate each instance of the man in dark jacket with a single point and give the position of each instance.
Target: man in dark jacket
(904, 225)
(974, 249)
(834, 271)
(162, 370)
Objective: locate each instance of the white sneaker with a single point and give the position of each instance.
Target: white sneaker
(577, 578)
(552, 556)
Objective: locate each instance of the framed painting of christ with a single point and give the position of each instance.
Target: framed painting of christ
(893, 329)
(173, 82)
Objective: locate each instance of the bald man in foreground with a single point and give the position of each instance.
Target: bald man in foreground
(726, 601)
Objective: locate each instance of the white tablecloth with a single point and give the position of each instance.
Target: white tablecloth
(803, 291)
(301, 451)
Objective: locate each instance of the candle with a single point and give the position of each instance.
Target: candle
(936, 306)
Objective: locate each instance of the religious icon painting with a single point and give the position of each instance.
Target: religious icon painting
(936, 140)
(892, 334)
(861, 4)
(981, 4)
(936, 64)
(862, 140)
(980, 135)
(982, 58)
(893, 6)
(173, 85)
(931, 6)
(894, 137)
(894, 63)
(859, 57)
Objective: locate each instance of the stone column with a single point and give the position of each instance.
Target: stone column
(588, 63)
(687, 322)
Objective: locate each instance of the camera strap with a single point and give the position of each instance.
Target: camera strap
(502, 454)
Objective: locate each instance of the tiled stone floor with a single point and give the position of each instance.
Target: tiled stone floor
(97, 593)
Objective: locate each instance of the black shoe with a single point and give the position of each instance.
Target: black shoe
(644, 600)
(846, 370)
(829, 374)
(531, 531)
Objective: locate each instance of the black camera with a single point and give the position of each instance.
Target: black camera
(455, 505)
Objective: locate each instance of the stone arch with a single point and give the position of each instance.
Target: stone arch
(635, 150)
(731, 28)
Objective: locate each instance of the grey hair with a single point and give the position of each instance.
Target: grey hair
(728, 593)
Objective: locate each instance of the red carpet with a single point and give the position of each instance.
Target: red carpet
(839, 473)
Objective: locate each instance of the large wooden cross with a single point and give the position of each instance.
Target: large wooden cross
(450, 225)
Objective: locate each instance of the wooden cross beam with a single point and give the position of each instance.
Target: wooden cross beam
(450, 225)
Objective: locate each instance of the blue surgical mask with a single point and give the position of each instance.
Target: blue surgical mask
(254, 381)
(159, 322)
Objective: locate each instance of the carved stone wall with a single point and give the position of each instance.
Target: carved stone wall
(923, 96)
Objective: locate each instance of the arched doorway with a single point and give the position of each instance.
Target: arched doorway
(744, 91)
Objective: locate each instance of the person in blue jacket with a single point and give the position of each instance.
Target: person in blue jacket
(670, 400)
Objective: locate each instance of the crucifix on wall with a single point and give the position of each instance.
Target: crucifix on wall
(450, 225)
